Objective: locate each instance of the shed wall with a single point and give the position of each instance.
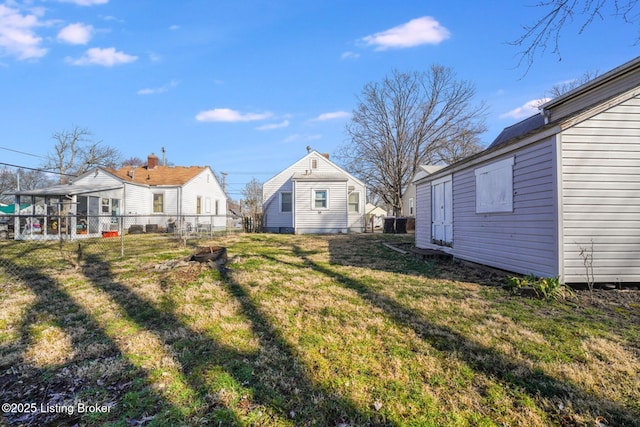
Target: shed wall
(524, 240)
(601, 195)
(423, 214)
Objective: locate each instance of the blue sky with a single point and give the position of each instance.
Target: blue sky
(245, 86)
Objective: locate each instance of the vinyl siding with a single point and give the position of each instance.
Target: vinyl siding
(522, 241)
(275, 218)
(98, 179)
(282, 182)
(423, 214)
(356, 219)
(330, 220)
(205, 186)
(137, 201)
(601, 195)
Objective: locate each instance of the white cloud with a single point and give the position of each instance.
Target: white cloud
(228, 115)
(157, 90)
(273, 126)
(350, 55)
(332, 116)
(85, 2)
(528, 109)
(416, 32)
(76, 33)
(298, 137)
(107, 57)
(17, 35)
(174, 27)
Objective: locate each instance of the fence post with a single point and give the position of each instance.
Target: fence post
(121, 236)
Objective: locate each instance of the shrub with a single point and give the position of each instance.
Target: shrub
(548, 288)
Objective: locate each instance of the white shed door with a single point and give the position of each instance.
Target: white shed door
(442, 215)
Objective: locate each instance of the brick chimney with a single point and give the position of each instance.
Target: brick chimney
(152, 161)
(325, 155)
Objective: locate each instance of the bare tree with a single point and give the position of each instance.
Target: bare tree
(564, 87)
(545, 33)
(252, 194)
(21, 179)
(75, 152)
(410, 119)
(133, 161)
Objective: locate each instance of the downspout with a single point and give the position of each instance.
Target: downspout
(179, 207)
(559, 209)
(293, 206)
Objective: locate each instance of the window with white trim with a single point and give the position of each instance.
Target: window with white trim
(158, 203)
(494, 187)
(286, 204)
(321, 199)
(354, 202)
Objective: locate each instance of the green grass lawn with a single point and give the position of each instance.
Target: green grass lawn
(305, 330)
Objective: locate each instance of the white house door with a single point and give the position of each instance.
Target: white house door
(442, 211)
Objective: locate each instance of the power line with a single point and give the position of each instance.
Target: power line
(36, 169)
(22, 152)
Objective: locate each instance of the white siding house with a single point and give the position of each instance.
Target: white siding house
(409, 195)
(151, 194)
(549, 190)
(314, 195)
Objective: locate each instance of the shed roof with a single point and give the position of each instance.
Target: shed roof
(518, 130)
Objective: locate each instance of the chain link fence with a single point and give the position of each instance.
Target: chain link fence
(36, 242)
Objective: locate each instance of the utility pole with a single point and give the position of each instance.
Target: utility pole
(224, 182)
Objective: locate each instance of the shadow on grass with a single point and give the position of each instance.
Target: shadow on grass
(52, 387)
(279, 383)
(367, 251)
(448, 341)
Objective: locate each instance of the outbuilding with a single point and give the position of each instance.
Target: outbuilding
(557, 194)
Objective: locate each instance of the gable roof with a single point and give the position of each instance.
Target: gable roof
(315, 153)
(159, 175)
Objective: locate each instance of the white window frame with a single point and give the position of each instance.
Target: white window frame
(353, 193)
(494, 187)
(290, 201)
(153, 203)
(313, 163)
(313, 199)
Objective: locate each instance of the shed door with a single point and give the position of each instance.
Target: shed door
(442, 211)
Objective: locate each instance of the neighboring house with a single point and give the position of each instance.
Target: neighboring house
(314, 195)
(152, 194)
(557, 194)
(409, 195)
(374, 216)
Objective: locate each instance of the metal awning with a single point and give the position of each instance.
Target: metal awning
(65, 190)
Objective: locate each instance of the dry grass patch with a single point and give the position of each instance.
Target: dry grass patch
(310, 330)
